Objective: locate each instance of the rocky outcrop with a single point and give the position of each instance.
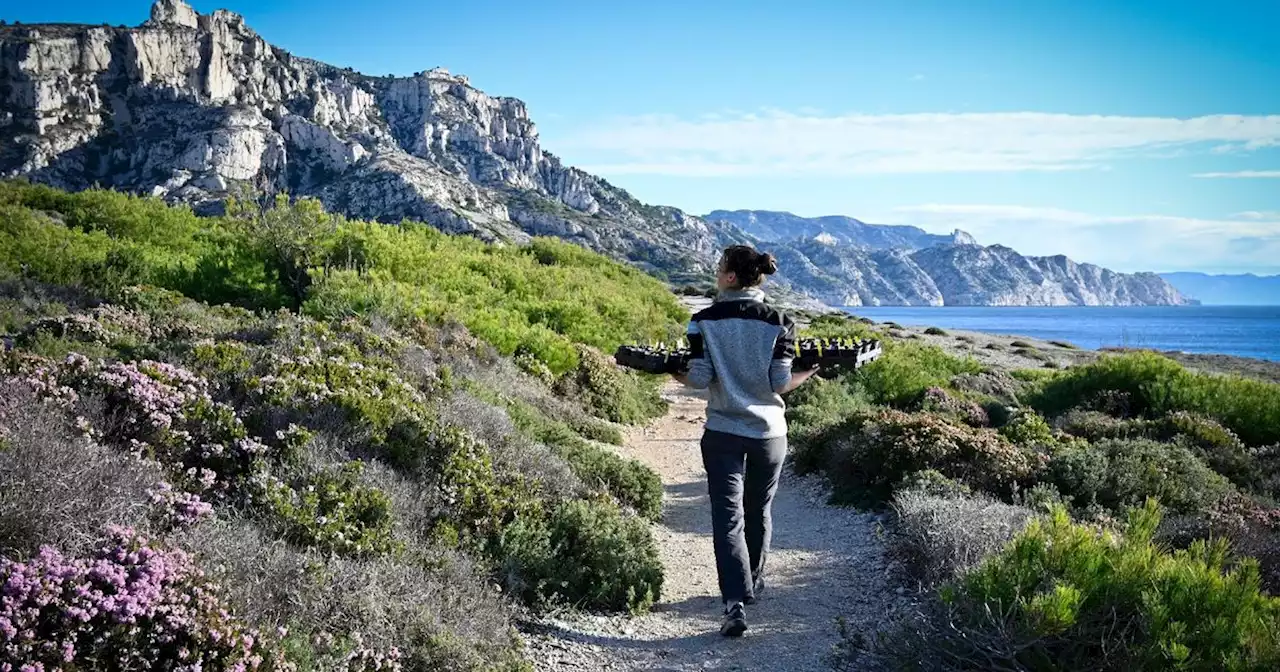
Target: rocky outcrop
(962, 275)
(193, 108)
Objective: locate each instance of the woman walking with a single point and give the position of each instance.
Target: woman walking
(741, 353)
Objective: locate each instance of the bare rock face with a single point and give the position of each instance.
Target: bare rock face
(174, 13)
(191, 107)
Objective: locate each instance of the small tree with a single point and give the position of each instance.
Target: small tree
(293, 238)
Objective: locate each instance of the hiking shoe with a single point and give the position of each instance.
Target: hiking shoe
(756, 589)
(735, 621)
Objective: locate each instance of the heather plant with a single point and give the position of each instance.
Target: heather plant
(612, 393)
(1252, 528)
(59, 487)
(938, 400)
(472, 360)
(432, 606)
(78, 327)
(629, 481)
(128, 602)
(510, 445)
(164, 412)
(176, 508)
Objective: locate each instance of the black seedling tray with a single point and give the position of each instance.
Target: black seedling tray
(653, 359)
(834, 353)
(831, 354)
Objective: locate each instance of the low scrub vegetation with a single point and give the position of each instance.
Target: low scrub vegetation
(1064, 595)
(1011, 491)
(321, 444)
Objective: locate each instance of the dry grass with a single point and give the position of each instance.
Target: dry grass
(937, 538)
(431, 603)
(511, 450)
(57, 487)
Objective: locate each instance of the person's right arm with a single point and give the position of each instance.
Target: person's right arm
(781, 375)
(700, 373)
(797, 379)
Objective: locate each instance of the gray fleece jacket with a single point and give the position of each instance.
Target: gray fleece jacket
(741, 351)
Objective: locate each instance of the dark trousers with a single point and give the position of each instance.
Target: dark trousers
(742, 477)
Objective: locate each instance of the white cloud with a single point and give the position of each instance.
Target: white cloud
(1258, 214)
(1249, 242)
(777, 142)
(1241, 174)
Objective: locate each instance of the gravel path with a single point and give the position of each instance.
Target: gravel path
(826, 562)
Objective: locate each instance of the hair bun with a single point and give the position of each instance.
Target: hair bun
(768, 264)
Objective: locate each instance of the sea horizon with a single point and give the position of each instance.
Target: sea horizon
(1251, 331)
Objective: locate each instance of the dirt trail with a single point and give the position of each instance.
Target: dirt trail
(826, 562)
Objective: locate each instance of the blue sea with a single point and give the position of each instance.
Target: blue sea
(1244, 331)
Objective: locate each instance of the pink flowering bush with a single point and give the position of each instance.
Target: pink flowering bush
(129, 604)
(78, 327)
(178, 509)
(164, 412)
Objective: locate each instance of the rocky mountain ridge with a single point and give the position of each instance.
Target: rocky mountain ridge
(193, 107)
(779, 226)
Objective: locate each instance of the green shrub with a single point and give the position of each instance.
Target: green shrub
(1096, 425)
(1217, 446)
(1155, 385)
(905, 370)
(629, 481)
(610, 392)
(1032, 353)
(1120, 473)
(868, 454)
(1066, 597)
(839, 326)
(820, 403)
(331, 510)
(543, 297)
(1028, 429)
(587, 554)
(935, 331)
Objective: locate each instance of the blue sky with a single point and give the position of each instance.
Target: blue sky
(1140, 135)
